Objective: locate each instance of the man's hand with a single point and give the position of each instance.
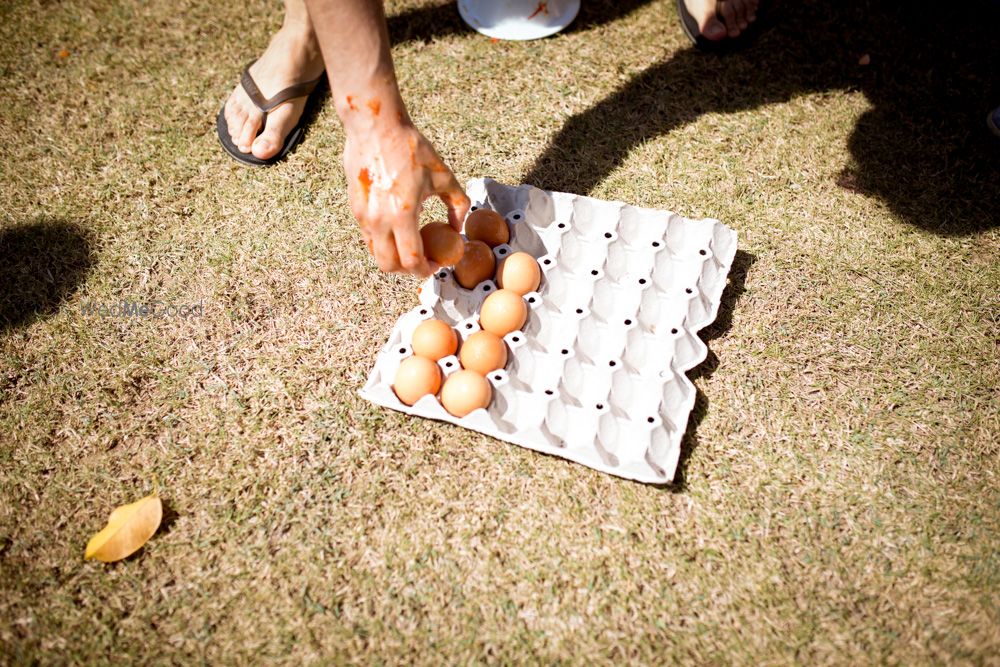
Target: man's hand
(390, 171)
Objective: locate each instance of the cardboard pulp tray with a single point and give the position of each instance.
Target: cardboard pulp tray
(597, 373)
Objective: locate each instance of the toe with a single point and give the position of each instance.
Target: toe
(728, 13)
(713, 29)
(235, 118)
(235, 114)
(250, 128)
(740, 7)
(230, 114)
(708, 24)
(279, 123)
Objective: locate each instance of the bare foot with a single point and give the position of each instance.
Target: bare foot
(293, 56)
(718, 19)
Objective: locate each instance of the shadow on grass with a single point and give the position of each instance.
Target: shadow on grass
(720, 327)
(41, 264)
(922, 148)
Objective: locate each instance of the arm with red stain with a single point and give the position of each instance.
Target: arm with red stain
(391, 167)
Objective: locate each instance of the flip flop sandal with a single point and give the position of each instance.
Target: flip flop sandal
(724, 45)
(266, 105)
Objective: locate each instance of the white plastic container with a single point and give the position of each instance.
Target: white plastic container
(518, 19)
(597, 373)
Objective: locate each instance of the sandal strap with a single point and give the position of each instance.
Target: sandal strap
(266, 104)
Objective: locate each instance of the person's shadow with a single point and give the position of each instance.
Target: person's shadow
(41, 264)
(923, 148)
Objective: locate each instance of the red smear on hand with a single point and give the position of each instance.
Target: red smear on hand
(375, 106)
(350, 103)
(366, 182)
(413, 151)
(543, 7)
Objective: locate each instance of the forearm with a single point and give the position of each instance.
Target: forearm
(355, 44)
(390, 166)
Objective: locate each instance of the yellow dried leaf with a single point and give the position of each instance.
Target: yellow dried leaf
(129, 527)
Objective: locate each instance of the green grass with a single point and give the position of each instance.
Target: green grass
(838, 499)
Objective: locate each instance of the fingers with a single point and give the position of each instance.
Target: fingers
(409, 245)
(394, 242)
(384, 245)
(451, 193)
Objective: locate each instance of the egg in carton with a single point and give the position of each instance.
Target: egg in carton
(597, 373)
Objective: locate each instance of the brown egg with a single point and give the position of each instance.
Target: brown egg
(502, 312)
(519, 273)
(416, 377)
(442, 243)
(483, 352)
(487, 226)
(434, 339)
(465, 391)
(476, 265)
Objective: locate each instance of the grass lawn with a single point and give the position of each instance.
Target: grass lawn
(838, 499)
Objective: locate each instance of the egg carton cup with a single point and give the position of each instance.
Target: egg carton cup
(597, 373)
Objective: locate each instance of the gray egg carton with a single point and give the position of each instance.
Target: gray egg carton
(597, 373)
